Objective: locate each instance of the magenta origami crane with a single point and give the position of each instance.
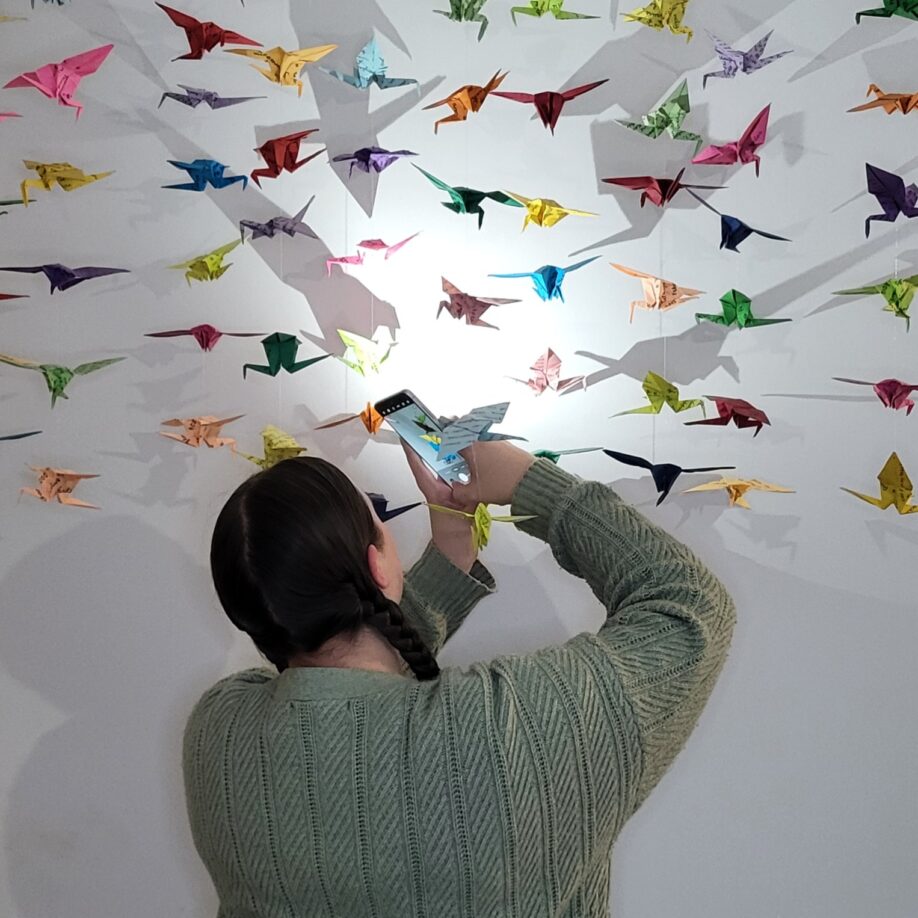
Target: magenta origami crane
(893, 393)
(743, 150)
(206, 335)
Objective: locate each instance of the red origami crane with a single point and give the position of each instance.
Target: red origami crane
(203, 36)
(742, 150)
(280, 154)
(659, 191)
(741, 412)
(549, 104)
(893, 393)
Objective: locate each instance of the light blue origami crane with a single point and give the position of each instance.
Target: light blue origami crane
(369, 67)
(547, 280)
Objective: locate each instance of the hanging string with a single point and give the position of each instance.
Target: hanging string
(347, 242)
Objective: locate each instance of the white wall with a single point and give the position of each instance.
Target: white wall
(797, 796)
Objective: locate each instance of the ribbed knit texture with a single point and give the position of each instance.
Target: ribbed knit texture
(495, 790)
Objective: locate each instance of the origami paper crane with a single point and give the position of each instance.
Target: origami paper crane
(381, 507)
(907, 9)
(743, 150)
(202, 431)
(208, 267)
(539, 8)
(203, 36)
(5, 115)
(547, 280)
(466, 99)
(57, 377)
(659, 191)
(12, 296)
(660, 392)
(892, 194)
(49, 174)
(365, 355)
(284, 67)
(890, 102)
(893, 393)
(279, 224)
(667, 116)
(737, 310)
(733, 231)
(658, 293)
(280, 352)
(367, 158)
(20, 436)
(343, 260)
(546, 212)
(61, 80)
(664, 474)
(458, 433)
(547, 370)
(206, 336)
(481, 522)
(278, 446)
(466, 11)
(204, 172)
(58, 484)
(280, 154)
(15, 18)
(548, 105)
(193, 97)
(63, 278)
(370, 67)
(52, 2)
(469, 200)
(370, 417)
(737, 488)
(659, 14)
(741, 412)
(555, 456)
(895, 488)
(372, 245)
(897, 291)
(733, 62)
(465, 306)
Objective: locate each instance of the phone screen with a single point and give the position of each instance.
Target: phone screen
(420, 430)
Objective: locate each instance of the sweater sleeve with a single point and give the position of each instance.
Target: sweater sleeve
(438, 596)
(613, 709)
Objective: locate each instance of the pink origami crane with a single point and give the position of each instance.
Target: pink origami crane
(893, 393)
(739, 151)
(371, 245)
(343, 260)
(547, 370)
(5, 115)
(60, 81)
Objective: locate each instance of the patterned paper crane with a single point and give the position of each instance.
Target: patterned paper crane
(58, 485)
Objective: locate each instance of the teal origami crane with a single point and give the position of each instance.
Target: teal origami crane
(469, 200)
(737, 310)
(897, 291)
(907, 9)
(547, 279)
(370, 67)
(540, 8)
(668, 116)
(280, 352)
(660, 14)
(466, 11)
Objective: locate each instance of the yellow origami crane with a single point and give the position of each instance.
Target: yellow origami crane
(58, 484)
(660, 392)
(658, 293)
(545, 211)
(365, 355)
(208, 267)
(278, 446)
(371, 418)
(481, 522)
(659, 14)
(736, 489)
(465, 99)
(13, 19)
(68, 177)
(895, 488)
(283, 67)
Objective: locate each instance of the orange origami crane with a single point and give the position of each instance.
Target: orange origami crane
(890, 102)
(466, 99)
(658, 293)
(371, 418)
(201, 431)
(736, 489)
(58, 484)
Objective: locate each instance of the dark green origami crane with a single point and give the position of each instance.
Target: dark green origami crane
(907, 9)
(280, 352)
(737, 310)
(469, 200)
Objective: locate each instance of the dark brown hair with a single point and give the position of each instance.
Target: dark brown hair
(289, 562)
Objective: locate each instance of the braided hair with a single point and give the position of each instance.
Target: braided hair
(289, 563)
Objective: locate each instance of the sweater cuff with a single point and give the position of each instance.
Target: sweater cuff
(540, 493)
(442, 586)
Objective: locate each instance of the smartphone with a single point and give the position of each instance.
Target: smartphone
(420, 431)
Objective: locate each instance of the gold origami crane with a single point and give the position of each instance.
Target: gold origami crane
(481, 522)
(371, 418)
(283, 67)
(660, 392)
(68, 177)
(58, 484)
(737, 488)
(658, 293)
(208, 267)
(890, 102)
(466, 99)
(278, 446)
(545, 211)
(659, 14)
(202, 431)
(895, 488)
(13, 19)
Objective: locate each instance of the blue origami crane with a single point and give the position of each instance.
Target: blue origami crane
(369, 67)
(204, 172)
(547, 280)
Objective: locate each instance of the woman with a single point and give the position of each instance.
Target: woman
(364, 781)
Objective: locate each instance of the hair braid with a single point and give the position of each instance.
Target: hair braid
(388, 619)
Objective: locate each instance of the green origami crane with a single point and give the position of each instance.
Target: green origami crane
(280, 352)
(57, 378)
(737, 310)
(907, 9)
(363, 354)
(541, 7)
(469, 200)
(661, 392)
(466, 11)
(278, 446)
(481, 522)
(659, 14)
(555, 456)
(897, 291)
(668, 116)
(208, 267)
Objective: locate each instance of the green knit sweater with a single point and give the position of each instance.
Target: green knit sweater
(495, 790)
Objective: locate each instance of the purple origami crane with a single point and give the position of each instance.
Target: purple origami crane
(63, 278)
(892, 194)
(280, 224)
(367, 158)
